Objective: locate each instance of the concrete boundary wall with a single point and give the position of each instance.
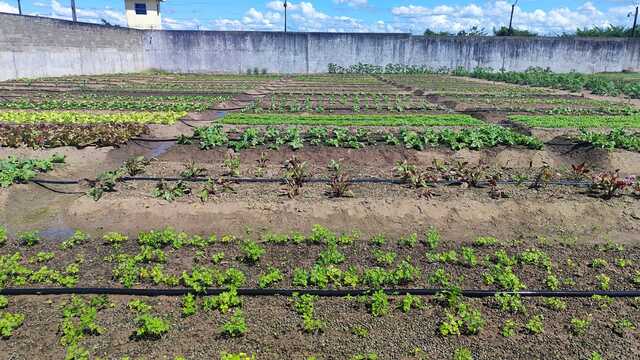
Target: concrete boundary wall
(35, 47)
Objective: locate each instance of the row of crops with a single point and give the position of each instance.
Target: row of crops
(53, 129)
(440, 203)
(575, 82)
(605, 84)
(168, 118)
(215, 272)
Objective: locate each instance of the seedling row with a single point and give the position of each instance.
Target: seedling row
(323, 259)
(347, 328)
(319, 258)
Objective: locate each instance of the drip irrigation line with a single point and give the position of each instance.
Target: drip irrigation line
(202, 120)
(146, 146)
(372, 180)
(55, 182)
(174, 139)
(185, 123)
(317, 292)
(228, 108)
(59, 191)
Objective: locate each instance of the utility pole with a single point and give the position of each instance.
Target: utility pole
(19, 8)
(635, 22)
(285, 15)
(513, 9)
(73, 10)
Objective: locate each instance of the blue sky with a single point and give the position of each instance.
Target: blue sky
(543, 16)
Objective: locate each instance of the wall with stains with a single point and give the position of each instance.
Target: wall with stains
(34, 47)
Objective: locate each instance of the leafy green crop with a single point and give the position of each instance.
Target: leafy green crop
(69, 117)
(107, 102)
(568, 121)
(236, 326)
(223, 302)
(539, 77)
(472, 138)
(150, 327)
(238, 356)
(14, 171)
(304, 305)
(352, 120)
(3, 235)
(8, 323)
(271, 277)
(616, 139)
(80, 319)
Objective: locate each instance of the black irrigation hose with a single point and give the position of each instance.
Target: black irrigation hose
(154, 139)
(185, 123)
(306, 137)
(264, 180)
(575, 183)
(59, 191)
(316, 292)
(229, 108)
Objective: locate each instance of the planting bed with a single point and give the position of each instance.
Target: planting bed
(338, 216)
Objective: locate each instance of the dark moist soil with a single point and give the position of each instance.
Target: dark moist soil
(571, 262)
(275, 332)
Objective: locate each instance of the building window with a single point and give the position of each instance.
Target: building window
(141, 9)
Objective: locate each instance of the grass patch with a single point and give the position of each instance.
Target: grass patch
(352, 120)
(560, 121)
(71, 117)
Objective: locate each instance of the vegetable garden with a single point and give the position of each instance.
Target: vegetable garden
(370, 213)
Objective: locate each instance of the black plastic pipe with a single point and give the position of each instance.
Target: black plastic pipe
(317, 292)
(55, 182)
(575, 183)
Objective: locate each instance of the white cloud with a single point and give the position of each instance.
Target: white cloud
(303, 16)
(352, 3)
(58, 10)
(228, 24)
(7, 8)
(265, 20)
(65, 12)
(416, 17)
(494, 14)
(174, 24)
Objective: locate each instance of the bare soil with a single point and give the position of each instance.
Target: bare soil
(375, 208)
(274, 332)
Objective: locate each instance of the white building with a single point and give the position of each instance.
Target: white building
(143, 14)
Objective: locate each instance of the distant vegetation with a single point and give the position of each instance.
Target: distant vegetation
(474, 31)
(504, 31)
(611, 31)
(596, 31)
